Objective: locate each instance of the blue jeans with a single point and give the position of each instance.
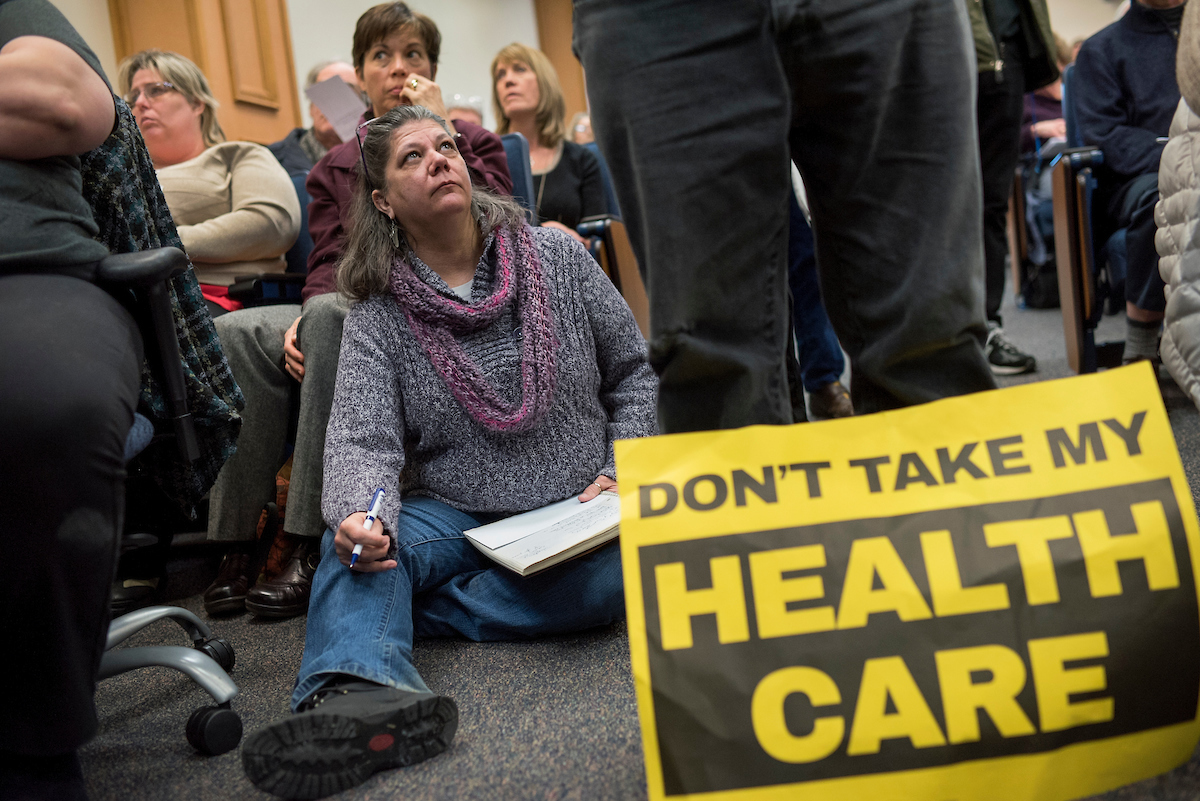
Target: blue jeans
(363, 624)
(821, 360)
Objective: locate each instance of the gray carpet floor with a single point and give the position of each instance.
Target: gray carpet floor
(553, 720)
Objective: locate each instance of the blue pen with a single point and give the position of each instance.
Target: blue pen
(372, 514)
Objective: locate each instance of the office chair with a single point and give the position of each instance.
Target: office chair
(144, 276)
(610, 194)
(1085, 263)
(516, 149)
(620, 264)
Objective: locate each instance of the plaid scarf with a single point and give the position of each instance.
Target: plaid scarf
(127, 203)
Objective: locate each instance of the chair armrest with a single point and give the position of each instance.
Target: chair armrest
(147, 273)
(267, 288)
(142, 268)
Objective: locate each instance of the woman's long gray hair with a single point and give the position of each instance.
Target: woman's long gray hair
(366, 262)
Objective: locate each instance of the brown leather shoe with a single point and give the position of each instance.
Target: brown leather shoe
(286, 595)
(227, 593)
(831, 400)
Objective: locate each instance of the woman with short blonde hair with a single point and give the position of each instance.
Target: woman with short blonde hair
(528, 99)
(185, 78)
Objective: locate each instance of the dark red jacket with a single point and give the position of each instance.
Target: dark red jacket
(331, 185)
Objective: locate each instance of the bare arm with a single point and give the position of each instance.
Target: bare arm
(51, 102)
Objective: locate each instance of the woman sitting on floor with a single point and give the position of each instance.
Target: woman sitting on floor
(234, 205)
(486, 369)
(528, 100)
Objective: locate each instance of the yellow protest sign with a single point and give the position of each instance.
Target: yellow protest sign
(985, 597)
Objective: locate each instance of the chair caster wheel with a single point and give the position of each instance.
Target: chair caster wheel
(220, 651)
(214, 730)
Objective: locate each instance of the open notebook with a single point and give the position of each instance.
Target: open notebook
(533, 541)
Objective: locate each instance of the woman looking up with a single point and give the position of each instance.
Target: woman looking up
(528, 100)
(486, 369)
(234, 205)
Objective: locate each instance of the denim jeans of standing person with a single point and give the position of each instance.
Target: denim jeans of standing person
(363, 624)
(821, 361)
(694, 105)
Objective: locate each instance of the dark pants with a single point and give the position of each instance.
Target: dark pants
(695, 103)
(1132, 207)
(821, 361)
(70, 371)
(999, 110)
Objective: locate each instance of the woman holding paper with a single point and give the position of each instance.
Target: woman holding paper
(234, 205)
(486, 369)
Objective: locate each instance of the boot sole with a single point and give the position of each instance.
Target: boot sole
(275, 611)
(1016, 370)
(226, 605)
(314, 755)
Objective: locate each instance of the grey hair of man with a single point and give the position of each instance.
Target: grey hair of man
(366, 263)
(319, 67)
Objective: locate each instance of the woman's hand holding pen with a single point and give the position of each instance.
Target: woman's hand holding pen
(601, 484)
(375, 544)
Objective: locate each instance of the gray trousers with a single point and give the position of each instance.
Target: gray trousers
(253, 343)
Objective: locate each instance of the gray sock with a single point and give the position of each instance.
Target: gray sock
(1141, 340)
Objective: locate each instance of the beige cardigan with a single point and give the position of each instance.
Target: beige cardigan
(236, 210)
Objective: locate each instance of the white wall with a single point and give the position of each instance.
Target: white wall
(90, 18)
(473, 31)
(1079, 19)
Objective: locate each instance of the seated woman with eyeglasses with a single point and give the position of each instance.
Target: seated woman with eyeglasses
(486, 369)
(234, 205)
(527, 99)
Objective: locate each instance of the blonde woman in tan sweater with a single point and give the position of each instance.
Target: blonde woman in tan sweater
(235, 206)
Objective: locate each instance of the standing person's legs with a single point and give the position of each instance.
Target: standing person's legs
(253, 342)
(885, 138)
(689, 106)
(70, 373)
(821, 360)
(999, 110)
(319, 338)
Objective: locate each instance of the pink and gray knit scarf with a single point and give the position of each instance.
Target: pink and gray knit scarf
(435, 320)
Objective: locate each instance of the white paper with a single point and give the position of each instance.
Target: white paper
(562, 535)
(502, 532)
(341, 104)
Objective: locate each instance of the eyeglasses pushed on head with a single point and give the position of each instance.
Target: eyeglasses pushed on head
(153, 91)
(361, 154)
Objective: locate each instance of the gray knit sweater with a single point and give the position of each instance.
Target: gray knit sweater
(396, 425)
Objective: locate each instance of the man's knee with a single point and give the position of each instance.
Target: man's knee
(257, 330)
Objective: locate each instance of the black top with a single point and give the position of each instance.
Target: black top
(45, 224)
(1005, 18)
(1125, 92)
(573, 190)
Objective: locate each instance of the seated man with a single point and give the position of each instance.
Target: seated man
(304, 147)
(1125, 95)
(395, 55)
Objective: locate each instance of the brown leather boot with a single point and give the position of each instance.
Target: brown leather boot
(286, 595)
(830, 401)
(227, 593)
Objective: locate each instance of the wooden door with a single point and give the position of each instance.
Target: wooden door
(243, 47)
